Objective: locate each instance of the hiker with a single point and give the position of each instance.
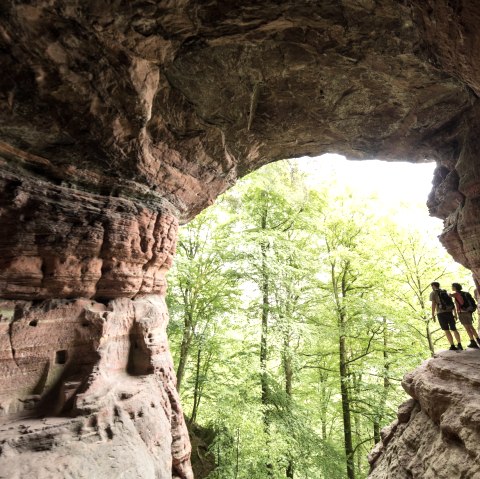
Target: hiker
(465, 306)
(442, 305)
(476, 294)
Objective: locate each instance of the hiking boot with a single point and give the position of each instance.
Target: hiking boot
(453, 347)
(473, 344)
(460, 347)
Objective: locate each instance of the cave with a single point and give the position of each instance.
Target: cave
(120, 120)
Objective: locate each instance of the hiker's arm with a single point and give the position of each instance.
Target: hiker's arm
(434, 308)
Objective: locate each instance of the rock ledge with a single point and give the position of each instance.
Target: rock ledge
(437, 434)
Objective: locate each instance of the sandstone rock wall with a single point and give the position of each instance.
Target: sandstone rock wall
(438, 431)
(87, 388)
(59, 242)
(89, 391)
(184, 97)
(118, 120)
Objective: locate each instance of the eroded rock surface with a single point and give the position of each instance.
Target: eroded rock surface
(184, 97)
(438, 431)
(60, 242)
(97, 393)
(119, 120)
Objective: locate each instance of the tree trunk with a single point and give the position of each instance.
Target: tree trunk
(428, 333)
(323, 410)
(386, 385)
(430, 339)
(265, 288)
(288, 372)
(357, 381)
(264, 336)
(184, 349)
(346, 413)
(196, 392)
(340, 290)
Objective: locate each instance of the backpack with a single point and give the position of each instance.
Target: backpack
(446, 302)
(469, 303)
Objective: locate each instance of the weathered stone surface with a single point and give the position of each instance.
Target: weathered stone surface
(185, 97)
(178, 100)
(441, 437)
(95, 392)
(405, 410)
(59, 242)
(120, 119)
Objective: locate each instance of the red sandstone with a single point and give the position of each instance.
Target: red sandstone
(118, 123)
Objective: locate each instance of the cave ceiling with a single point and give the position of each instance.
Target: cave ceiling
(173, 101)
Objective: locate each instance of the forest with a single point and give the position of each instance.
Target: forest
(295, 312)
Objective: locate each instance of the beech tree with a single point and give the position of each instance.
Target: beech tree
(271, 214)
(353, 277)
(204, 290)
(295, 313)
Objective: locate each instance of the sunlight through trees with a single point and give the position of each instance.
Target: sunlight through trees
(295, 312)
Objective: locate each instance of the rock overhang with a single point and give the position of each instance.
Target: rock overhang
(184, 98)
(120, 119)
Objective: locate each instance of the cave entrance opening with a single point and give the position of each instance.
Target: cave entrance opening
(297, 298)
(401, 187)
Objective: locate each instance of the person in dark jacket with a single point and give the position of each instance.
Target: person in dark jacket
(445, 315)
(465, 317)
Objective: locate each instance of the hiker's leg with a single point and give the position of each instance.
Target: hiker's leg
(452, 327)
(445, 321)
(467, 321)
(470, 331)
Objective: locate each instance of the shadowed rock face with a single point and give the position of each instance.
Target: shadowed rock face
(88, 390)
(437, 432)
(184, 97)
(120, 119)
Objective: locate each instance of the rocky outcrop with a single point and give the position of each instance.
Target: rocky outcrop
(89, 391)
(60, 242)
(119, 120)
(438, 431)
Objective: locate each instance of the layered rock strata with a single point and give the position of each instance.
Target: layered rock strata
(438, 431)
(61, 242)
(120, 119)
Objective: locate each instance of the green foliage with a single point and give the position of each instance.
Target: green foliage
(291, 309)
